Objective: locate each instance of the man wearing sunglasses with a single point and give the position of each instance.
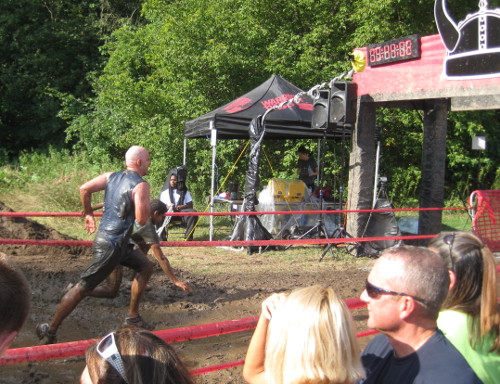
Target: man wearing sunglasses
(127, 206)
(404, 293)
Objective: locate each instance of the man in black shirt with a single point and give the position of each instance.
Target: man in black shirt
(404, 292)
(307, 168)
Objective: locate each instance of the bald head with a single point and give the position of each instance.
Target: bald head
(137, 159)
(134, 153)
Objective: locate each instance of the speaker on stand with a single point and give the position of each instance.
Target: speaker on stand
(342, 109)
(321, 111)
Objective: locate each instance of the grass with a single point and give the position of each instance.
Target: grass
(50, 182)
(456, 221)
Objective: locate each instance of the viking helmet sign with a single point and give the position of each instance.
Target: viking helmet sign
(472, 45)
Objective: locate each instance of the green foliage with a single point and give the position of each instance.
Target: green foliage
(49, 51)
(59, 169)
(49, 182)
(125, 72)
(472, 169)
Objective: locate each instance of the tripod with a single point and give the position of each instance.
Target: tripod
(339, 231)
(319, 228)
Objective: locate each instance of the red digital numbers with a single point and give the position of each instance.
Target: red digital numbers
(392, 51)
(395, 50)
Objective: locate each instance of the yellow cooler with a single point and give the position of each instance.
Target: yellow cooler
(295, 191)
(277, 188)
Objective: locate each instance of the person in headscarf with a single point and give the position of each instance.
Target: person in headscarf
(177, 198)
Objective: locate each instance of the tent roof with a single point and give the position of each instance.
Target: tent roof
(233, 119)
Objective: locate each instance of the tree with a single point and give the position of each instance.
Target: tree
(49, 51)
(190, 57)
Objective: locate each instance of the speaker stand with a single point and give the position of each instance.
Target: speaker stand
(339, 233)
(319, 228)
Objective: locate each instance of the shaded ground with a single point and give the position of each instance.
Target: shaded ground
(226, 285)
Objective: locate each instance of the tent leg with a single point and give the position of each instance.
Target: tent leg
(213, 141)
(375, 181)
(184, 152)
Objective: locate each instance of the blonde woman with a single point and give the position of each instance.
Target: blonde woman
(133, 356)
(470, 316)
(307, 336)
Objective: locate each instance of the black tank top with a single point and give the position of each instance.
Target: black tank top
(119, 208)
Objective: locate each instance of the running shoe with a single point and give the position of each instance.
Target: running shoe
(45, 336)
(138, 322)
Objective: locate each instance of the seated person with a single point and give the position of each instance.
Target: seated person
(470, 317)
(307, 336)
(133, 355)
(404, 293)
(178, 199)
(307, 168)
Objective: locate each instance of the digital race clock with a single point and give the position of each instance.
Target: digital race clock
(401, 49)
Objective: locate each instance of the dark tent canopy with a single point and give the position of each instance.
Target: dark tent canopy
(232, 120)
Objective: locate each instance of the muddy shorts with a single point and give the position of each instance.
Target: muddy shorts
(108, 254)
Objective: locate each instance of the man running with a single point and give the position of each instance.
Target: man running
(127, 205)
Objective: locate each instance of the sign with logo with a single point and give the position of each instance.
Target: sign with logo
(473, 44)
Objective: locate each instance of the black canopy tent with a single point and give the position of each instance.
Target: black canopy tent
(232, 120)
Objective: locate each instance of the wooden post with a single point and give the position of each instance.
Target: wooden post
(433, 166)
(361, 168)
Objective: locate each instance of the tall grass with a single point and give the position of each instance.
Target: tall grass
(49, 182)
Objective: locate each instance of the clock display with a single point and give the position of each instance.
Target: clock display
(401, 49)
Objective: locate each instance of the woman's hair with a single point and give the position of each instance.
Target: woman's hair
(475, 289)
(311, 339)
(147, 359)
(15, 296)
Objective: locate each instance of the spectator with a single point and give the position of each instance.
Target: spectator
(470, 317)
(177, 198)
(404, 292)
(15, 301)
(305, 337)
(307, 168)
(133, 356)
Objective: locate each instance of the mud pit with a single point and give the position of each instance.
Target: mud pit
(225, 284)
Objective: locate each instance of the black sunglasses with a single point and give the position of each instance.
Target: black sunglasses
(374, 292)
(450, 239)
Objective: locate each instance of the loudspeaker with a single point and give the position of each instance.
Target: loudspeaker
(342, 108)
(321, 108)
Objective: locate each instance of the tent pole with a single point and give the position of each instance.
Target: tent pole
(213, 142)
(375, 182)
(377, 164)
(319, 165)
(184, 152)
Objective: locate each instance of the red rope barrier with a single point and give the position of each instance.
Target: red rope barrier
(78, 348)
(225, 243)
(218, 367)
(71, 243)
(78, 214)
(232, 364)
